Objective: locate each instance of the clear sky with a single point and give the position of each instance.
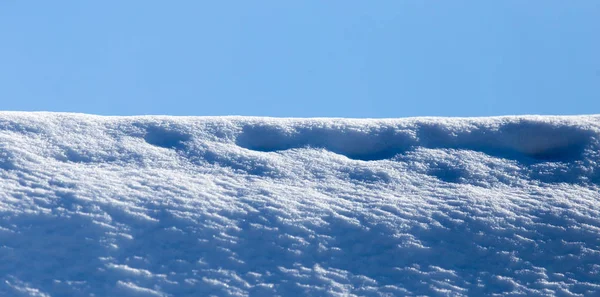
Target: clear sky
(301, 58)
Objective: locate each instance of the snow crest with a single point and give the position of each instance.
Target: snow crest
(238, 206)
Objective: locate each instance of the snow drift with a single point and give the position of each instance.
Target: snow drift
(235, 206)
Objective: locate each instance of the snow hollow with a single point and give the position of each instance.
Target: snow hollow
(237, 206)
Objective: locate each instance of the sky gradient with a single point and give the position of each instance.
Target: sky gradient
(302, 58)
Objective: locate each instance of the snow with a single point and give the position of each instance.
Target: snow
(240, 206)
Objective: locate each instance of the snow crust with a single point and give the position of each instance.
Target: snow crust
(237, 206)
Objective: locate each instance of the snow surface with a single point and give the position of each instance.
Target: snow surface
(236, 206)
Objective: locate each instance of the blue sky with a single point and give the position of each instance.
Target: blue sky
(301, 58)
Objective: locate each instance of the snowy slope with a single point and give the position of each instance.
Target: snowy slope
(234, 206)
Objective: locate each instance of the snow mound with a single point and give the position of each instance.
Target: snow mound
(237, 206)
(518, 138)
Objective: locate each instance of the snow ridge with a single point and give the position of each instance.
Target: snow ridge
(239, 206)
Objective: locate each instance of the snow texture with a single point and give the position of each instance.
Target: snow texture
(237, 206)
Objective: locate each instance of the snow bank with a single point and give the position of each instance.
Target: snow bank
(235, 206)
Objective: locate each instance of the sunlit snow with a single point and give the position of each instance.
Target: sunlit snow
(237, 206)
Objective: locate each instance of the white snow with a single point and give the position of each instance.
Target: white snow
(238, 206)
